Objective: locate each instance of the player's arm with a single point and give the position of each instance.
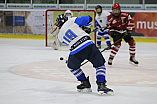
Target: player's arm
(130, 24)
(84, 22)
(97, 27)
(115, 26)
(129, 27)
(109, 22)
(97, 24)
(54, 30)
(86, 29)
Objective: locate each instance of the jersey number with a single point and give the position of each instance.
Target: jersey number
(69, 36)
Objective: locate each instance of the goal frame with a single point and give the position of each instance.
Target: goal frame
(73, 10)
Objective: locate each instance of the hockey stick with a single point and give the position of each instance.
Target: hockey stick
(103, 28)
(96, 30)
(107, 48)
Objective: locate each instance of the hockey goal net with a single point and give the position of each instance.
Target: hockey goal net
(50, 19)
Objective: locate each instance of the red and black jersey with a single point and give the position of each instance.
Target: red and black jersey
(123, 22)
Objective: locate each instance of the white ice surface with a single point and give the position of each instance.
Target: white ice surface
(20, 89)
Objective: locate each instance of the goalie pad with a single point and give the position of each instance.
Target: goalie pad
(54, 30)
(56, 44)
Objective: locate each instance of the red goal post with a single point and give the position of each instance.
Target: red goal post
(86, 12)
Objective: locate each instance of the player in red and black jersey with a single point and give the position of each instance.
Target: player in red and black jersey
(120, 25)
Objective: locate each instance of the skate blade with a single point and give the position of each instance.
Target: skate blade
(110, 93)
(85, 90)
(132, 63)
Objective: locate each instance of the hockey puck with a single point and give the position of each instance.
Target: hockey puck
(61, 58)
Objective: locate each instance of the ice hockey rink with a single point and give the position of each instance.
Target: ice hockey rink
(31, 73)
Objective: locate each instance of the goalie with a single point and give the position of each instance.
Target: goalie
(55, 30)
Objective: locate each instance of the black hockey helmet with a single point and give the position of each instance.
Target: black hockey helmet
(98, 7)
(61, 19)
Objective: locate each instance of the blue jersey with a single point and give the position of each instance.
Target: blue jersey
(72, 34)
(83, 21)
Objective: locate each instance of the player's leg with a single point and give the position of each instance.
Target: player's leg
(99, 35)
(56, 44)
(115, 47)
(85, 85)
(105, 34)
(108, 40)
(96, 58)
(114, 51)
(101, 81)
(74, 62)
(132, 48)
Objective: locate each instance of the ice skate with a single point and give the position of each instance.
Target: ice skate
(85, 86)
(103, 90)
(110, 61)
(133, 60)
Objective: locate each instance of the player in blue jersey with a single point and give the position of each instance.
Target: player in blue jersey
(101, 28)
(81, 48)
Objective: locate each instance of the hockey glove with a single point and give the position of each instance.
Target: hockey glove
(112, 33)
(86, 29)
(96, 29)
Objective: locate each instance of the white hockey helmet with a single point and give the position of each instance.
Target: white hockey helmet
(68, 13)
